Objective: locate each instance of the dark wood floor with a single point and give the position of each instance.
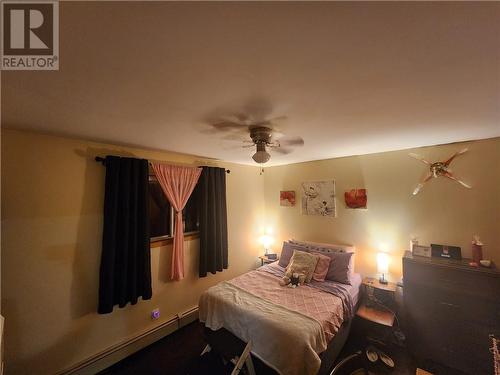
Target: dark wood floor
(178, 354)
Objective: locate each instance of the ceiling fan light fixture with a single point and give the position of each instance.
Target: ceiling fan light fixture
(261, 157)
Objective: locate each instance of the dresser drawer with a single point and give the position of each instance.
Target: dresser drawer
(467, 283)
(471, 307)
(444, 332)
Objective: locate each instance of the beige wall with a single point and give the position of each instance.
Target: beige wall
(443, 212)
(52, 198)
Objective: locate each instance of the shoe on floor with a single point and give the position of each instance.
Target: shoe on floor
(386, 359)
(371, 354)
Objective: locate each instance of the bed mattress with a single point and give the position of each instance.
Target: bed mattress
(288, 327)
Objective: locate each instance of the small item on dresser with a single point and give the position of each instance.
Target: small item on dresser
(477, 249)
(445, 251)
(421, 251)
(413, 242)
(485, 263)
(272, 256)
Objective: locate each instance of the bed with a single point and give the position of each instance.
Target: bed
(292, 330)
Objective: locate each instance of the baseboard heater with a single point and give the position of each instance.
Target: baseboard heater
(116, 353)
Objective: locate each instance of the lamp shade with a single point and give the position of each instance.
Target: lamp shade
(383, 263)
(266, 240)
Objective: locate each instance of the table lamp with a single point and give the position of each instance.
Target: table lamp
(382, 266)
(267, 241)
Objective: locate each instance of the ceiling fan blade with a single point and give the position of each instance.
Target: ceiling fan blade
(274, 121)
(228, 126)
(276, 134)
(290, 141)
(281, 150)
(237, 146)
(418, 157)
(236, 136)
(278, 119)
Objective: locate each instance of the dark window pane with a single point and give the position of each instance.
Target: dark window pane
(190, 214)
(159, 210)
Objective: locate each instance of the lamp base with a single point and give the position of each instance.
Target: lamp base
(382, 280)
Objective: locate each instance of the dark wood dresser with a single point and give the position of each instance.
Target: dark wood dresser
(451, 308)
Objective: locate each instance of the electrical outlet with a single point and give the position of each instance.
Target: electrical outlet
(155, 314)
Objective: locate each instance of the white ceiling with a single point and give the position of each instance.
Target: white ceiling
(352, 78)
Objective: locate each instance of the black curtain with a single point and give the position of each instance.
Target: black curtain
(125, 273)
(213, 220)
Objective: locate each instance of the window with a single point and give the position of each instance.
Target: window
(161, 213)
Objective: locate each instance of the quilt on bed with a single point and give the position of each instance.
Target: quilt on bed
(288, 327)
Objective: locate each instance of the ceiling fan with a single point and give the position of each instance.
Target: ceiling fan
(263, 136)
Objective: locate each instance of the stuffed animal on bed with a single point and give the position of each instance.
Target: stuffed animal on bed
(294, 280)
(300, 269)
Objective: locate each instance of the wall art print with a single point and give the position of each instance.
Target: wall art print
(356, 198)
(318, 198)
(287, 198)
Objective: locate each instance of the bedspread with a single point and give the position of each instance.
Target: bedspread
(335, 288)
(324, 307)
(268, 326)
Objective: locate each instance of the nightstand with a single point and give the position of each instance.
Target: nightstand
(376, 322)
(265, 260)
(378, 302)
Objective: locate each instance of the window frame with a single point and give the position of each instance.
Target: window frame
(167, 239)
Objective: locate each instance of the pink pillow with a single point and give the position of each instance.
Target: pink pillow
(322, 266)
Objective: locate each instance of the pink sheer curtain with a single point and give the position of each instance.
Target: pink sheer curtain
(177, 183)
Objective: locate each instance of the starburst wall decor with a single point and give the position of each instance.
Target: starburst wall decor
(439, 169)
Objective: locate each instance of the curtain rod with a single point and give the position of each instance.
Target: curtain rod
(102, 160)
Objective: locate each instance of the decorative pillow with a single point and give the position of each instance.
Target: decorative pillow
(287, 253)
(302, 262)
(339, 268)
(322, 267)
(327, 249)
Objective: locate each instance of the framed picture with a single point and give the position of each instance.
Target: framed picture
(318, 198)
(356, 198)
(287, 198)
